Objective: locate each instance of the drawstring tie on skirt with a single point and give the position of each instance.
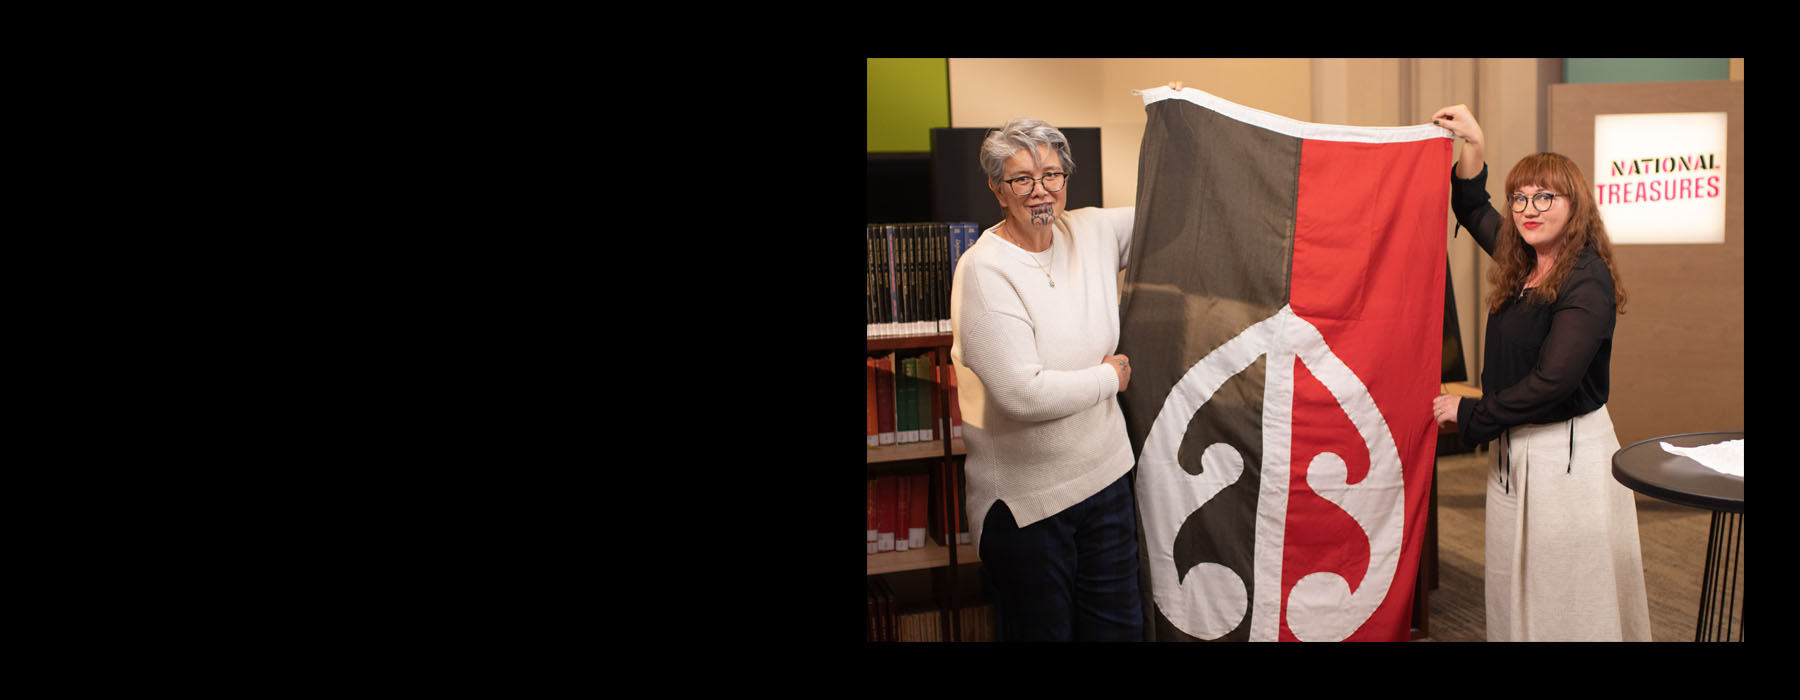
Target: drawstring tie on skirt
(1504, 472)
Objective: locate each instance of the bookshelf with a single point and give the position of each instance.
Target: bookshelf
(913, 451)
(910, 268)
(940, 458)
(934, 554)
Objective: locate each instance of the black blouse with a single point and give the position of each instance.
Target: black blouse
(1545, 363)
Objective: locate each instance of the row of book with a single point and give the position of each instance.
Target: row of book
(904, 400)
(909, 271)
(899, 508)
(902, 516)
(924, 626)
(886, 623)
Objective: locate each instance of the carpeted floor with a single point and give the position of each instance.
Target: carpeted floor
(1674, 540)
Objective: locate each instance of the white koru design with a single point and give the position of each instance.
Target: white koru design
(1212, 599)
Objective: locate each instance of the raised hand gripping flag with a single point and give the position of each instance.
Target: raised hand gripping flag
(1283, 311)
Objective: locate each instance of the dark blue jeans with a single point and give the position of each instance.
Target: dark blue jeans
(1070, 577)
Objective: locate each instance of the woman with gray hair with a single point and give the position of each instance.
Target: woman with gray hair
(1034, 318)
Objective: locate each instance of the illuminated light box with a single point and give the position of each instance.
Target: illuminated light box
(1660, 178)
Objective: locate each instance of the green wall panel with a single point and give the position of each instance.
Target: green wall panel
(908, 97)
(1644, 70)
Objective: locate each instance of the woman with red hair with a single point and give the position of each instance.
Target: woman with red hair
(1562, 555)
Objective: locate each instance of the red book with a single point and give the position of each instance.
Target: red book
(944, 516)
(961, 507)
(872, 526)
(902, 513)
(881, 623)
(962, 511)
(874, 416)
(949, 383)
(884, 611)
(884, 398)
(885, 489)
(892, 613)
(869, 624)
(918, 502)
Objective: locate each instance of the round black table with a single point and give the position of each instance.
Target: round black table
(1645, 467)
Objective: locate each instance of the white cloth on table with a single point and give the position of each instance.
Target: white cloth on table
(1723, 457)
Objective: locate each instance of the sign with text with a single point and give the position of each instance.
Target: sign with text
(1660, 178)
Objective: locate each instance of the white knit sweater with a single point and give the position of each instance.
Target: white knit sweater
(1040, 419)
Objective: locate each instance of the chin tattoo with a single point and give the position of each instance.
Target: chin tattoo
(1042, 215)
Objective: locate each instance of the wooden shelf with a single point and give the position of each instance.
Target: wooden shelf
(904, 342)
(935, 557)
(915, 450)
(931, 556)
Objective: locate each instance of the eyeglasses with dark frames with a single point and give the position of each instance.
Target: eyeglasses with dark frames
(1541, 201)
(1053, 182)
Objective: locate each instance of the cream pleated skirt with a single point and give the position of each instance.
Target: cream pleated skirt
(1563, 562)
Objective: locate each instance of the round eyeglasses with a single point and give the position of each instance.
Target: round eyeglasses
(1053, 182)
(1541, 201)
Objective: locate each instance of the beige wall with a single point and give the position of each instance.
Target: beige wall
(1678, 352)
(1509, 96)
(1097, 92)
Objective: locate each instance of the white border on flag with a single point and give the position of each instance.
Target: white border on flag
(1294, 127)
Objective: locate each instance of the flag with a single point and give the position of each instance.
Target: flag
(1283, 311)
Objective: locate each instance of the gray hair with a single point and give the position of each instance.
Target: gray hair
(1026, 134)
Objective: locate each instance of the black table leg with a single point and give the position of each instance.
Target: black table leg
(1718, 586)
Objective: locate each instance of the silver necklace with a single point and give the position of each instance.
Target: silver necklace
(1034, 257)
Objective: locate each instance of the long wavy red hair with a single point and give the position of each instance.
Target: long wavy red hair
(1514, 259)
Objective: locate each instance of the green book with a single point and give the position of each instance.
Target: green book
(922, 379)
(905, 417)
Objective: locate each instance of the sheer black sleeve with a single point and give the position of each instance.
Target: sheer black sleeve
(1569, 367)
(1469, 201)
